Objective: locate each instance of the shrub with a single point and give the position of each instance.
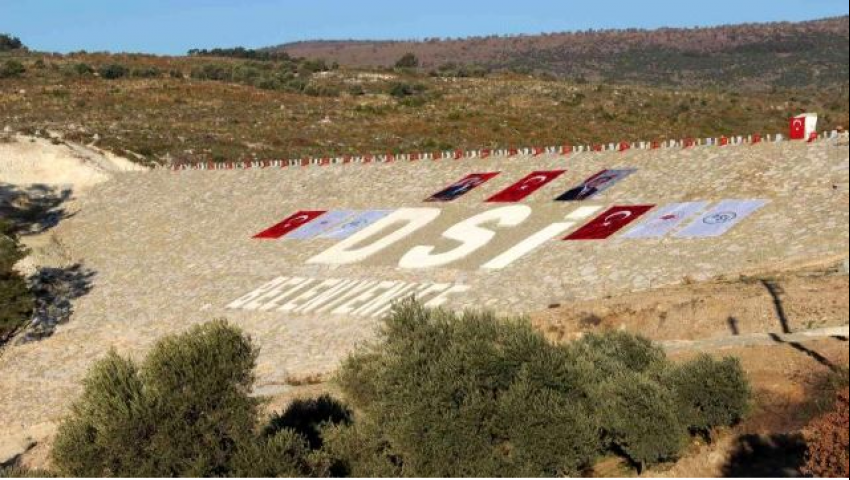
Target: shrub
(307, 417)
(640, 419)
(16, 299)
(828, 444)
(402, 89)
(83, 69)
(212, 71)
(146, 72)
(318, 90)
(444, 395)
(356, 90)
(8, 42)
(613, 353)
(184, 412)
(12, 69)
(408, 60)
(112, 71)
(284, 454)
(710, 393)
(460, 395)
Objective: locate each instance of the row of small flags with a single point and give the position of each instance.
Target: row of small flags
(504, 152)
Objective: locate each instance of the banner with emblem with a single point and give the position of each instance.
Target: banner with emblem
(320, 225)
(721, 218)
(355, 224)
(289, 224)
(461, 187)
(595, 185)
(665, 220)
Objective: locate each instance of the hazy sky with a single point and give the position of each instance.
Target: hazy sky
(161, 26)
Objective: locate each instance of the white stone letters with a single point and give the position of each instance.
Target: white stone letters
(469, 233)
(404, 220)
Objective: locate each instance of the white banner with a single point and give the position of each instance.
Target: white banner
(719, 219)
(321, 224)
(354, 225)
(665, 220)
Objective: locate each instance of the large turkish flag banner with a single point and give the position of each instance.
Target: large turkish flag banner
(290, 223)
(525, 187)
(609, 222)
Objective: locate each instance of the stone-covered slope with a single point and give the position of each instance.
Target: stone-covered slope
(170, 249)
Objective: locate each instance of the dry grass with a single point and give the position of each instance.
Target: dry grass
(167, 119)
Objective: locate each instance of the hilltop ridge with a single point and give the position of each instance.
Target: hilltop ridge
(755, 55)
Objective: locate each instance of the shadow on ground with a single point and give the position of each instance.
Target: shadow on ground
(33, 209)
(55, 289)
(760, 456)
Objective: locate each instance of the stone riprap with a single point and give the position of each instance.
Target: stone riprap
(173, 249)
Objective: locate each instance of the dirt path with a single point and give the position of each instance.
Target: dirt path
(838, 333)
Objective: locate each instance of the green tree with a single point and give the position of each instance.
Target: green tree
(185, 411)
(8, 42)
(16, 299)
(447, 395)
(113, 71)
(12, 69)
(710, 393)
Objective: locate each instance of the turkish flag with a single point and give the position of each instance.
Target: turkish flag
(610, 222)
(290, 223)
(797, 128)
(802, 126)
(525, 187)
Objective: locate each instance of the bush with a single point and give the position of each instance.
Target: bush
(12, 69)
(211, 71)
(112, 71)
(284, 454)
(146, 72)
(83, 69)
(828, 444)
(710, 393)
(8, 42)
(448, 396)
(16, 299)
(318, 90)
(402, 90)
(408, 60)
(461, 395)
(618, 352)
(185, 411)
(640, 419)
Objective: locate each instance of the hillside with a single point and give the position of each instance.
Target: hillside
(752, 56)
(159, 251)
(189, 109)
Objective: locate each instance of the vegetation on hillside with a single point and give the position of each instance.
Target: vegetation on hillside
(199, 108)
(750, 56)
(829, 441)
(8, 42)
(16, 299)
(439, 395)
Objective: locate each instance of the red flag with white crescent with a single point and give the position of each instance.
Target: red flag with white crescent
(525, 187)
(289, 224)
(797, 128)
(609, 222)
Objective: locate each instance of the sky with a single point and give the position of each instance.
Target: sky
(175, 26)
